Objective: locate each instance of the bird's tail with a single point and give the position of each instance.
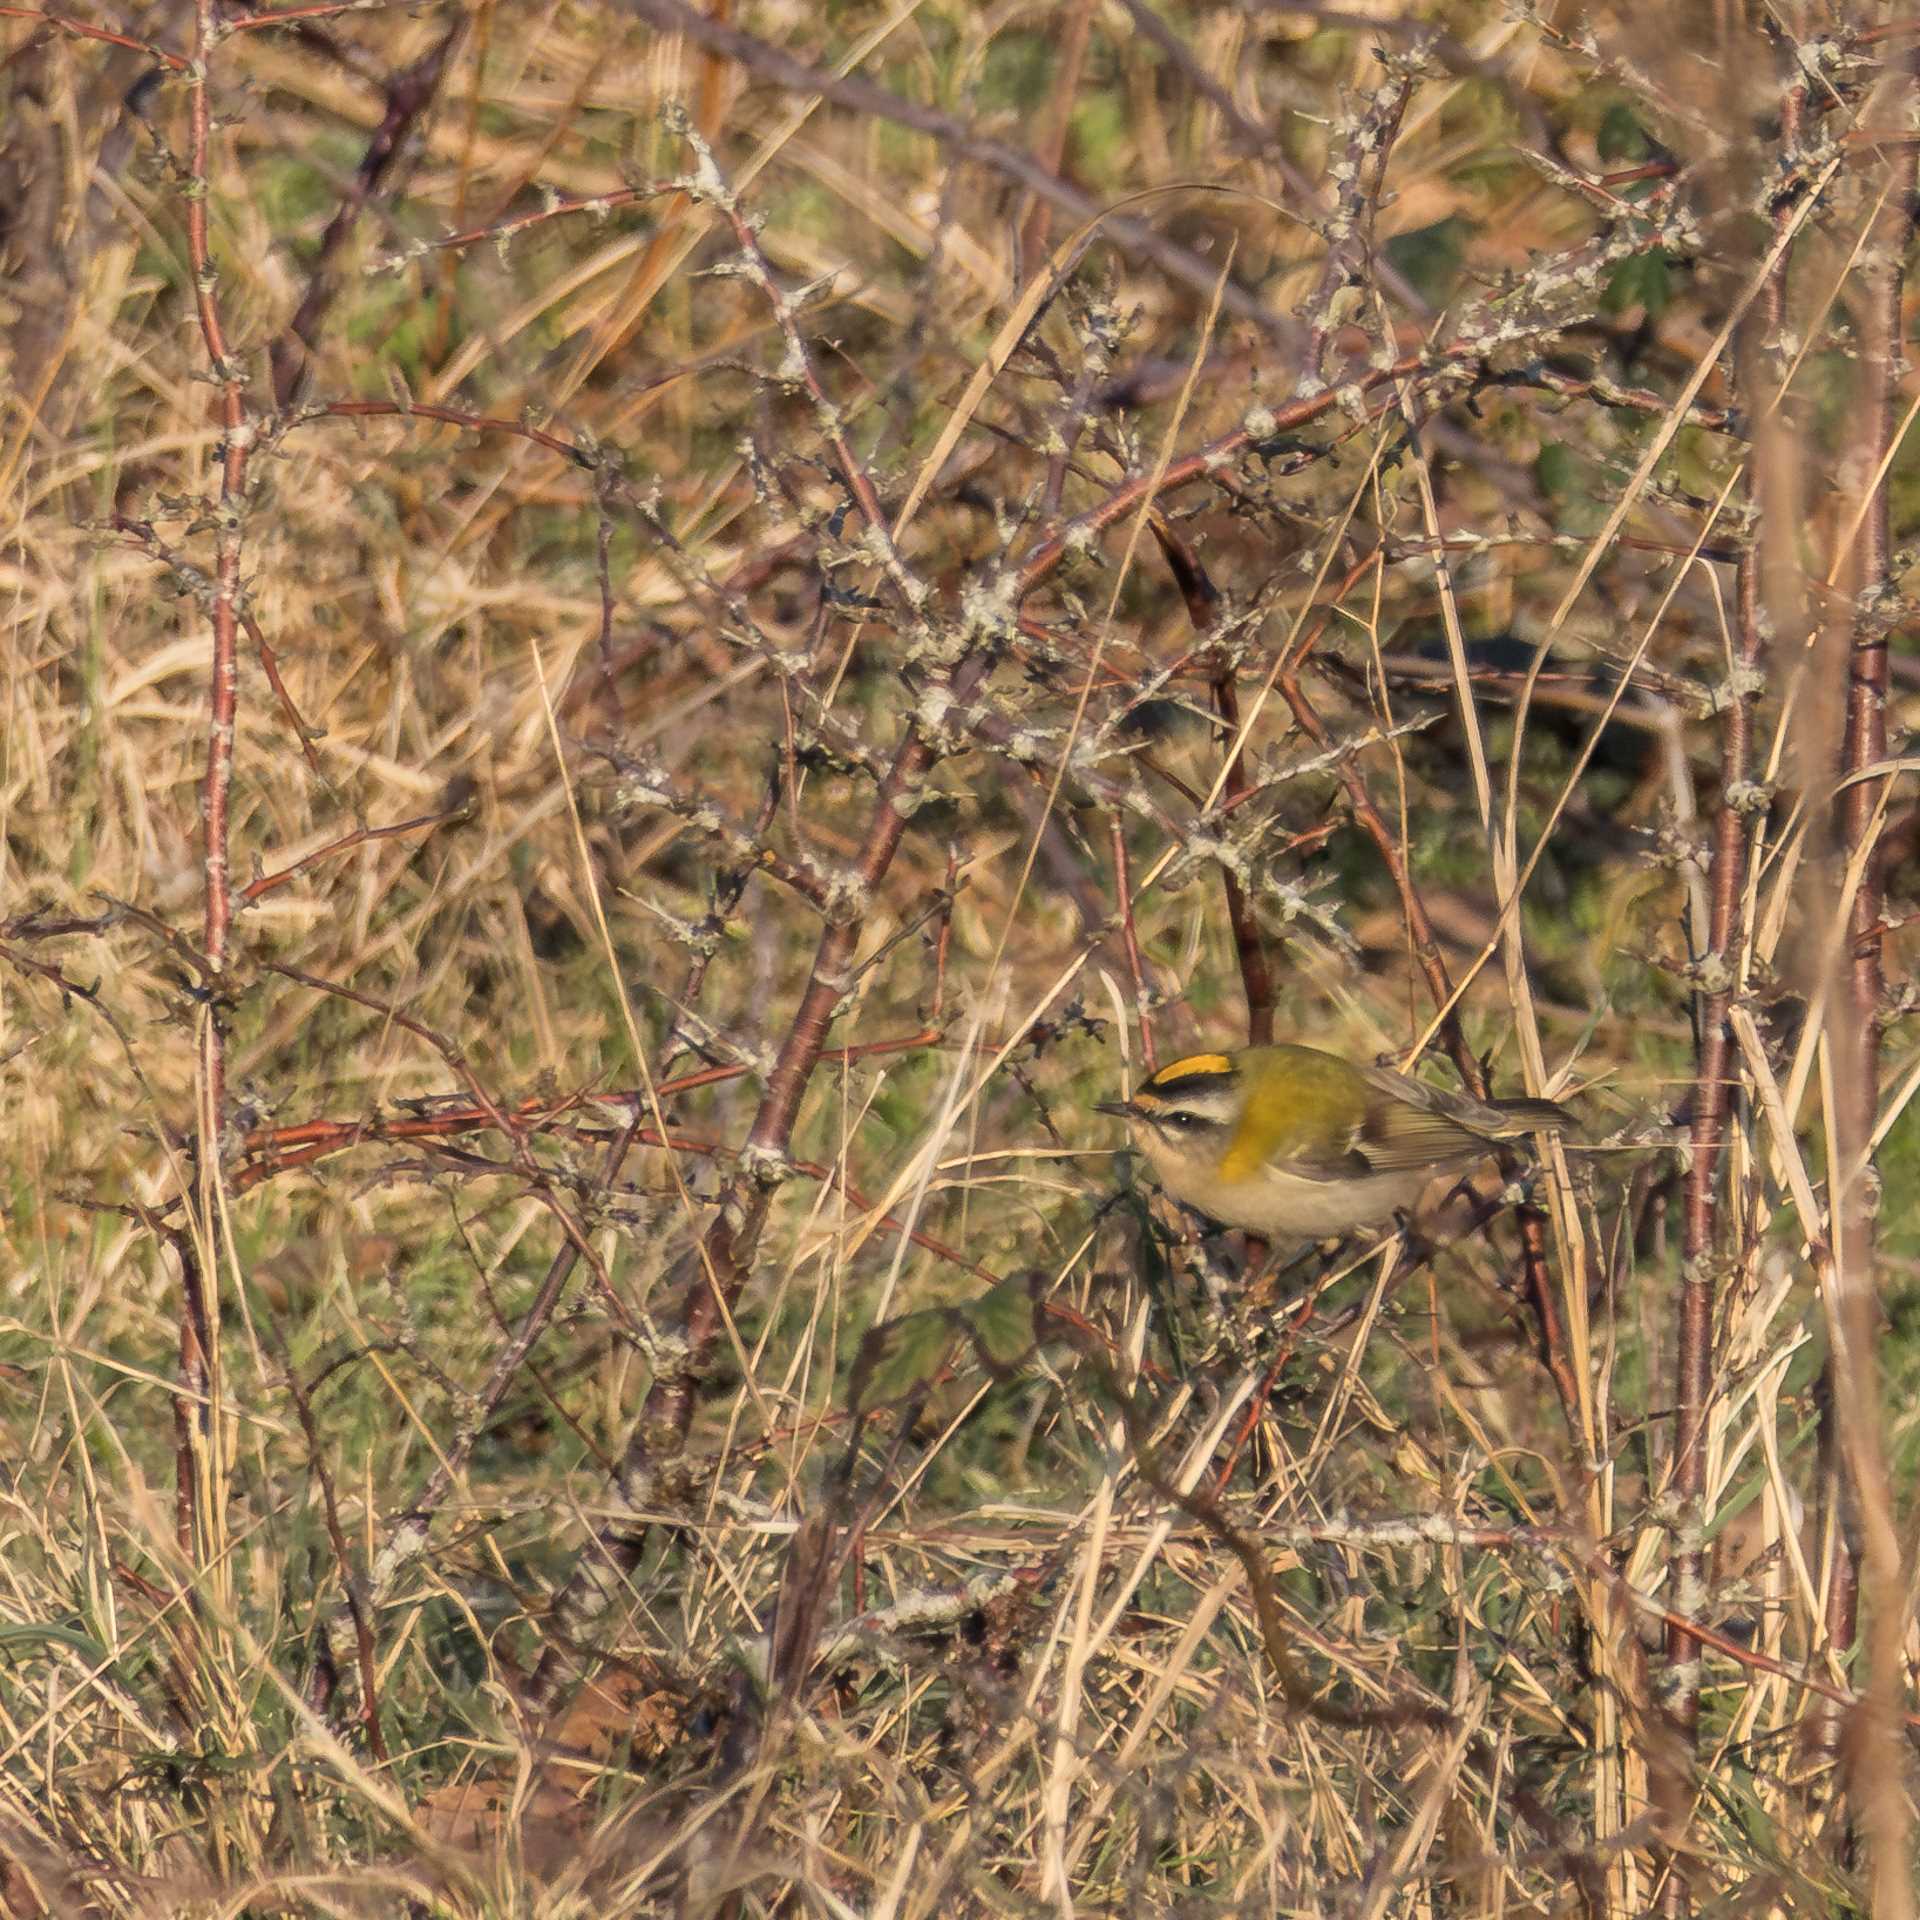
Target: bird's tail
(1530, 1116)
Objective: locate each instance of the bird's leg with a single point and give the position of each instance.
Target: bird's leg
(1319, 1257)
(1416, 1246)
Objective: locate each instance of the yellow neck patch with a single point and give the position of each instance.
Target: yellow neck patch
(1194, 1063)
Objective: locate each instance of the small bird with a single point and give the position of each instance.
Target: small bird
(1291, 1141)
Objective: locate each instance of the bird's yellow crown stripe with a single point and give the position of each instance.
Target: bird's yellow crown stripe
(1193, 1064)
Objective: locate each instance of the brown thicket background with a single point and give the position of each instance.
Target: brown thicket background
(646, 644)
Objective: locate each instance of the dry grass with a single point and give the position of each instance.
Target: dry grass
(805, 594)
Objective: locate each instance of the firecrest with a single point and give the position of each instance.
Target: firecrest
(1294, 1142)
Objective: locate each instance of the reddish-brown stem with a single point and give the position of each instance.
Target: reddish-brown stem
(270, 666)
(198, 1361)
(1362, 172)
(143, 535)
(858, 481)
(235, 451)
(408, 95)
(1202, 600)
(1207, 462)
(1426, 947)
(1130, 936)
(1010, 159)
(294, 16)
(267, 882)
(1869, 1557)
(1879, 142)
(190, 1403)
(411, 1534)
(1734, 1650)
(363, 1647)
(516, 1134)
(272, 1150)
(1249, 942)
(1704, 1259)
(1887, 30)
(1050, 150)
(1257, 1404)
(450, 416)
(652, 1468)
(1647, 170)
(519, 223)
(943, 941)
(448, 1052)
(86, 30)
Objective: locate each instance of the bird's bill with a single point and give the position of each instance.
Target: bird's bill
(1121, 1109)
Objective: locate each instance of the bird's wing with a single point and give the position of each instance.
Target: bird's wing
(1315, 1135)
(1409, 1125)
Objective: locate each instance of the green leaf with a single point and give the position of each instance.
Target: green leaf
(1430, 258)
(1002, 1325)
(31, 1633)
(899, 1357)
(1574, 484)
(902, 1357)
(1621, 137)
(1557, 469)
(1644, 281)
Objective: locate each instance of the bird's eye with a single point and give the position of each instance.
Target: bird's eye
(1182, 1120)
